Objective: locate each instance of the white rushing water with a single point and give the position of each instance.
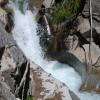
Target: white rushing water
(25, 34)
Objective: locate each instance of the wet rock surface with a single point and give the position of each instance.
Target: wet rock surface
(47, 87)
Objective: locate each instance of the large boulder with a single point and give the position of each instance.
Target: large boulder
(92, 80)
(84, 55)
(5, 38)
(47, 87)
(5, 93)
(83, 24)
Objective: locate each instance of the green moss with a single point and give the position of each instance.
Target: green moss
(61, 15)
(66, 12)
(30, 98)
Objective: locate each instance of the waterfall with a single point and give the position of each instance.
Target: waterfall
(20, 4)
(25, 34)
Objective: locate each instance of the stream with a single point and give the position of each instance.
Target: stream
(25, 34)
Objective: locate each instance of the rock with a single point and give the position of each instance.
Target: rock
(3, 16)
(8, 79)
(12, 60)
(17, 55)
(97, 63)
(92, 80)
(95, 11)
(83, 24)
(96, 26)
(3, 13)
(95, 51)
(3, 2)
(1, 53)
(6, 15)
(10, 23)
(95, 35)
(36, 3)
(7, 62)
(95, 6)
(80, 54)
(5, 93)
(70, 59)
(47, 87)
(74, 97)
(5, 38)
(12, 54)
(48, 3)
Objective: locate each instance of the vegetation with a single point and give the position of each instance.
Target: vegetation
(66, 11)
(61, 14)
(74, 5)
(30, 98)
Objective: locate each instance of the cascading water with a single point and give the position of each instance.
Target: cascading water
(25, 34)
